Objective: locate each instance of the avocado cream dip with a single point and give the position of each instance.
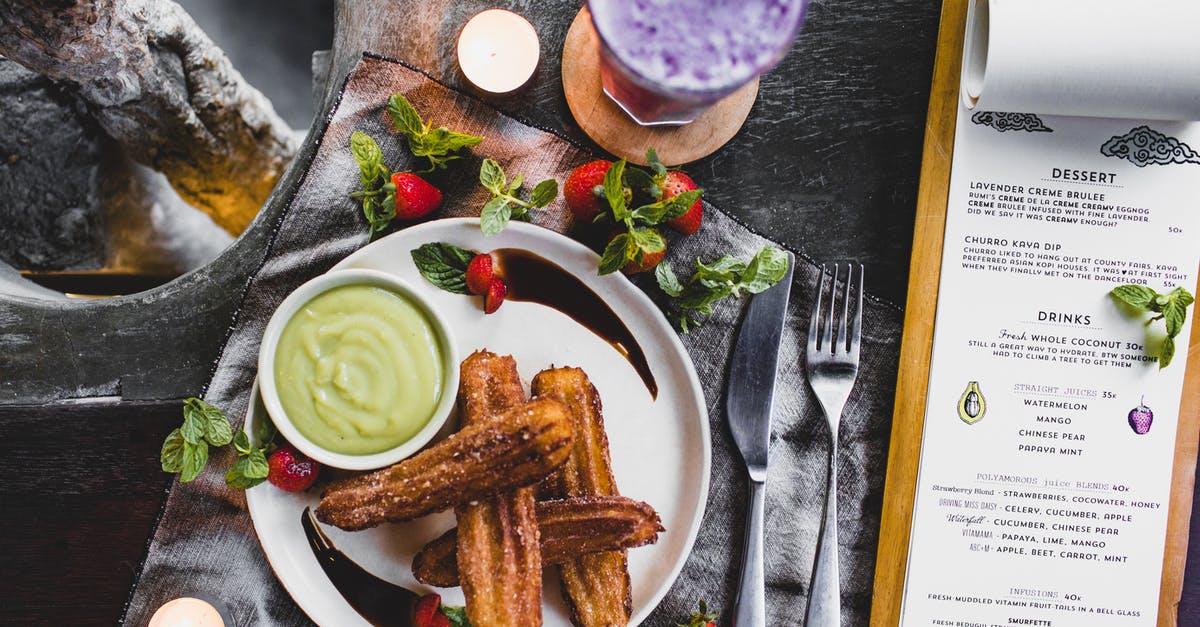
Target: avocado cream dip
(359, 370)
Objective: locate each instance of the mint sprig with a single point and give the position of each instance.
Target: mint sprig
(715, 281)
(251, 467)
(434, 144)
(1170, 307)
(378, 193)
(638, 237)
(185, 451)
(444, 265)
(457, 615)
(504, 204)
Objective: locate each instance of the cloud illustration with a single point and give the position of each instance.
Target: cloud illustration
(1145, 146)
(1002, 122)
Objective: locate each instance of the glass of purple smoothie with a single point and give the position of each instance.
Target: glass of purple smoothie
(666, 61)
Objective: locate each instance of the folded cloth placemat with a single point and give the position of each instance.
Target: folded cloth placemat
(205, 543)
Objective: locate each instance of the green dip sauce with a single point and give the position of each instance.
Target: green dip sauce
(359, 370)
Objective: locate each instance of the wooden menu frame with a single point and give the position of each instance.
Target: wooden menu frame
(916, 351)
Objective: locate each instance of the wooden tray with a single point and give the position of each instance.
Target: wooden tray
(916, 349)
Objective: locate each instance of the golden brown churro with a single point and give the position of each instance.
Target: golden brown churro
(498, 554)
(568, 528)
(518, 448)
(596, 586)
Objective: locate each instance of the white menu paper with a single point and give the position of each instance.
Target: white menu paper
(1049, 433)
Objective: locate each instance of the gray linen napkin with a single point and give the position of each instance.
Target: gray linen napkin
(205, 543)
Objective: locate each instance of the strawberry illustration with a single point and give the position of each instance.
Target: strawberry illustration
(1140, 418)
(675, 183)
(290, 470)
(584, 189)
(414, 197)
(479, 273)
(494, 297)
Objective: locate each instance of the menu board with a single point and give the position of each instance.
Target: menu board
(1049, 430)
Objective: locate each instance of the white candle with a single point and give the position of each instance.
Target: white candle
(187, 612)
(498, 50)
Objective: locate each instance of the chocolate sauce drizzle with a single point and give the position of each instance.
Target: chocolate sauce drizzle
(533, 278)
(382, 603)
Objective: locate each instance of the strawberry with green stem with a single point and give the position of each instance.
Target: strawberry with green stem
(504, 204)
(703, 618)
(385, 195)
(636, 245)
(667, 184)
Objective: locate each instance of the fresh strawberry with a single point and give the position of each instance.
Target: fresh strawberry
(426, 611)
(650, 258)
(703, 618)
(495, 295)
(674, 184)
(290, 470)
(480, 273)
(584, 189)
(415, 198)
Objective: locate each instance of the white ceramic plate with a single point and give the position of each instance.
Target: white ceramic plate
(660, 448)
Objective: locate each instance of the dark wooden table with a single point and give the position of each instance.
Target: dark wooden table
(827, 164)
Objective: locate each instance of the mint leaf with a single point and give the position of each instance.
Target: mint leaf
(1174, 314)
(495, 216)
(724, 270)
(213, 423)
(218, 431)
(368, 157)
(544, 193)
(654, 163)
(1138, 296)
(667, 281)
(766, 269)
(614, 190)
(194, 425)
(617, 253)
(1166, 352)
(638, 179)
(171, 456)
(195, 456)
(266, 432)
(1183, 296)
(404, 117)
(241, 442)
(444, 266)
(516, 184)
(457, 615)
(679, 205)
(238, 475)
(491, 176)
(650, 214)
(648, 240)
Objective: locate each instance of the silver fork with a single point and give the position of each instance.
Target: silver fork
(832, 366)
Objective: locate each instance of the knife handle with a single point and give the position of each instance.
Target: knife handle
(750, 608)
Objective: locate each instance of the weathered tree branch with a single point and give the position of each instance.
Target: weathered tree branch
(159, 86)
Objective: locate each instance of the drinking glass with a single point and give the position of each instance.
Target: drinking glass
(665, 62)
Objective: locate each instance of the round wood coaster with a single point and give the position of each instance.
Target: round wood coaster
(608, 125)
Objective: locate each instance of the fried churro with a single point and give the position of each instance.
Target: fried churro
(515, 449)
(568, 528)
(595, 586)
(497, 553)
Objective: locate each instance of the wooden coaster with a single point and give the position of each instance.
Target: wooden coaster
(608, 125)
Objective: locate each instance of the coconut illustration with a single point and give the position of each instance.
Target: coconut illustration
(1140, 418)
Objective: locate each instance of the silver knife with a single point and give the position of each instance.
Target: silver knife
(748, 399)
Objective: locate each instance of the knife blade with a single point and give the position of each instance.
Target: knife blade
(751, 389)
(749, 396)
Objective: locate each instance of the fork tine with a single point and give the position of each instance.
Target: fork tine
(827, 337)
(856, 330)
(843, 335)
(814, 323)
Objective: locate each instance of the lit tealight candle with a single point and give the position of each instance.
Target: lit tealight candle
(187, 612)
(498, 50)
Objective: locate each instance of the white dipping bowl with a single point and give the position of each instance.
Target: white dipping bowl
(270, 393)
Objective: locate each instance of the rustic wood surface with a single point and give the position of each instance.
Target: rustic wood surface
(606, 124)
(827, 163)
